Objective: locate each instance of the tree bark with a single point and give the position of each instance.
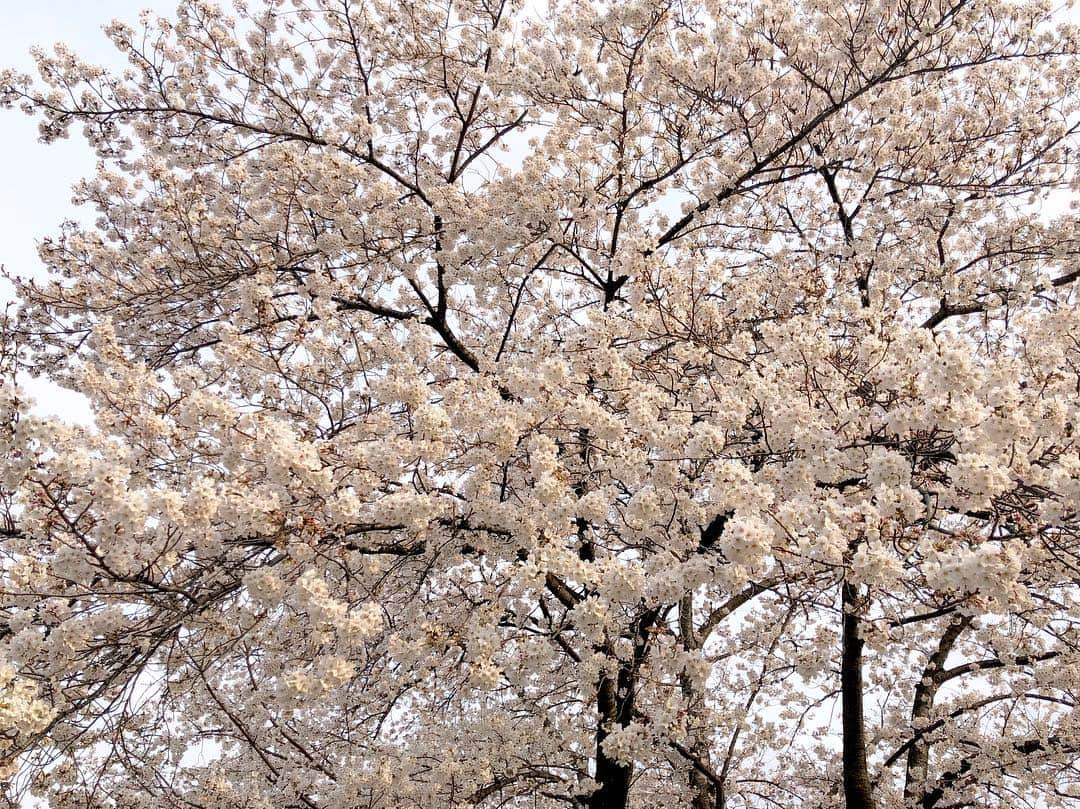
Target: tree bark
(615, 708)
(613, 778)
(703, 791)
(858, 793)
(919, 754)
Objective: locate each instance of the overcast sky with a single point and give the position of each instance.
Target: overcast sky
(36, 191)
(35, 195)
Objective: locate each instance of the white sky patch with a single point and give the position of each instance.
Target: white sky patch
(36, 193)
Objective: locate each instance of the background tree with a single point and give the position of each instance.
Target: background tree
(600, 405)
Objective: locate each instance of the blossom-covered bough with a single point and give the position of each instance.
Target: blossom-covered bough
(593, 404)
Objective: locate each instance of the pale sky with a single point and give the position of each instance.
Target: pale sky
(36, 192)
(35, 195)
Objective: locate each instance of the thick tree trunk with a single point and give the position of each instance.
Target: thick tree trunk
(703, 792)
(613, 778)
(918, 756)
(858, 793)
(615, 708)
(919, 753)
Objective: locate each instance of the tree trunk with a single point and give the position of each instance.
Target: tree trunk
(858, 793)
(613, 778)
(615, 708)
(703, 792)
(919, 754)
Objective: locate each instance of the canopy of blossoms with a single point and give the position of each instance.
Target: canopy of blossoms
(611, 405)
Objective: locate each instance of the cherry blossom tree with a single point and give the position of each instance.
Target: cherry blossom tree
(590, 404)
